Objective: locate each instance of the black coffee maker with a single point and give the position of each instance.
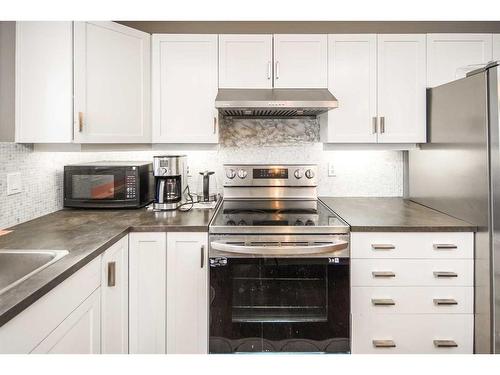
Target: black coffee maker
(170, 172)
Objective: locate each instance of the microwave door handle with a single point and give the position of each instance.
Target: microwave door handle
(161, 191)
(279, 250)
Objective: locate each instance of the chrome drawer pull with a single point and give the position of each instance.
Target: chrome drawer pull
(384, 343)
(383, 302)
(445, 301)
(444, 246)
(442, 274)
(445, 344)
(383, 274)
(383, 247)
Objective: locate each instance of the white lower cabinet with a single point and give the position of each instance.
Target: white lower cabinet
(412, 292)
(147, 292)
(68, 314)
(114, 299)
(79, 333)
(187, 293)
(412, 334)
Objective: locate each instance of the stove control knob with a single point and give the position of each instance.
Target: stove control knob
(310, 223)
(230, 222)
(242, 222)
(309, 173)
(231, 173)
(242, 173)
(298, 222)
(297, 174)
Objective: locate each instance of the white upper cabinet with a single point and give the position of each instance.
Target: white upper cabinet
(401, 88)
(451, 56)
(111, 83)
(245, 61)
(352, 78)
(496, 47)
(184, 88)
(300, 61)
(43, 82)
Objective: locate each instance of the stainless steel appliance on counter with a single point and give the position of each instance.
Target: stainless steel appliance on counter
(170, 173)
(458, 173)
(279, 265)
(108, 184)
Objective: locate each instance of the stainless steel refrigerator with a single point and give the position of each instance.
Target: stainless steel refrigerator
(458, 172)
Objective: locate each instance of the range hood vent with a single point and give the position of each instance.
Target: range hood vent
(274, 103)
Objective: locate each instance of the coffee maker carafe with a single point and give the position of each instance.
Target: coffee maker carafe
(170, 173)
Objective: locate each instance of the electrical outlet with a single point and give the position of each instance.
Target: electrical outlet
(13, 183)
(331, 170)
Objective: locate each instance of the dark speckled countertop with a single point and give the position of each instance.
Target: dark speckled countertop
(85, 234)
(393, 215)
(88, 233)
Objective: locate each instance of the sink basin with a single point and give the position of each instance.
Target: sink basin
(17, 265)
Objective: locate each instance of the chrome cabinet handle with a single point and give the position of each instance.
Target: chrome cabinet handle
(383, 302)
(277, 69)
(445, 301)
(279, 250)
(215, 124)
(111, 273)
(444, 246)
(445, 274)
(202, 252)
(80, 121)
(384, 343)
(445, 344)
(382, 125)
(383, 274)
(269, 67)
(374, 124)
(383, 247)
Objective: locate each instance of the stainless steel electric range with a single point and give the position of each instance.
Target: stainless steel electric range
(279, 265)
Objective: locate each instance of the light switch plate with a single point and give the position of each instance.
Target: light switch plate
(331, 170)
(13, 183)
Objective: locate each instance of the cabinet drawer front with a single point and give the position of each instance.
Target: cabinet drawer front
(412, 245)
(412, 300)
(414, 272)
(412, 334)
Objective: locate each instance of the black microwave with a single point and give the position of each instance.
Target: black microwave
(110, 184)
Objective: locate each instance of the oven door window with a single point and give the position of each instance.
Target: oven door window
(96, 184)
(279, 305)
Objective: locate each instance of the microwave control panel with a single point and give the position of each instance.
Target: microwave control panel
(131, 188)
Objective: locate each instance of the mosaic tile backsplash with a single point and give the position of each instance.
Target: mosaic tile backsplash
(357, 173)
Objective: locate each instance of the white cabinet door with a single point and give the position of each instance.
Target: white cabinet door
(451, 56)
(245, 61)
(112, 83)
(496, 47)
(114, 304)
(184, 88)
(401, 88)
(352, 77)
(44, 82)
(147, 291)
(79, 333)
(300, 61)
(187, 291)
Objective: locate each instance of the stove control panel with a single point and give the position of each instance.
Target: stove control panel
(293, 175)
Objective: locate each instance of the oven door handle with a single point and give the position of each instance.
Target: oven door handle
(325, 248)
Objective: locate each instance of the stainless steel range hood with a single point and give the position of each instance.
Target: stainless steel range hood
(274, 102)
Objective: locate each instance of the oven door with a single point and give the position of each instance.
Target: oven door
(263, 300)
